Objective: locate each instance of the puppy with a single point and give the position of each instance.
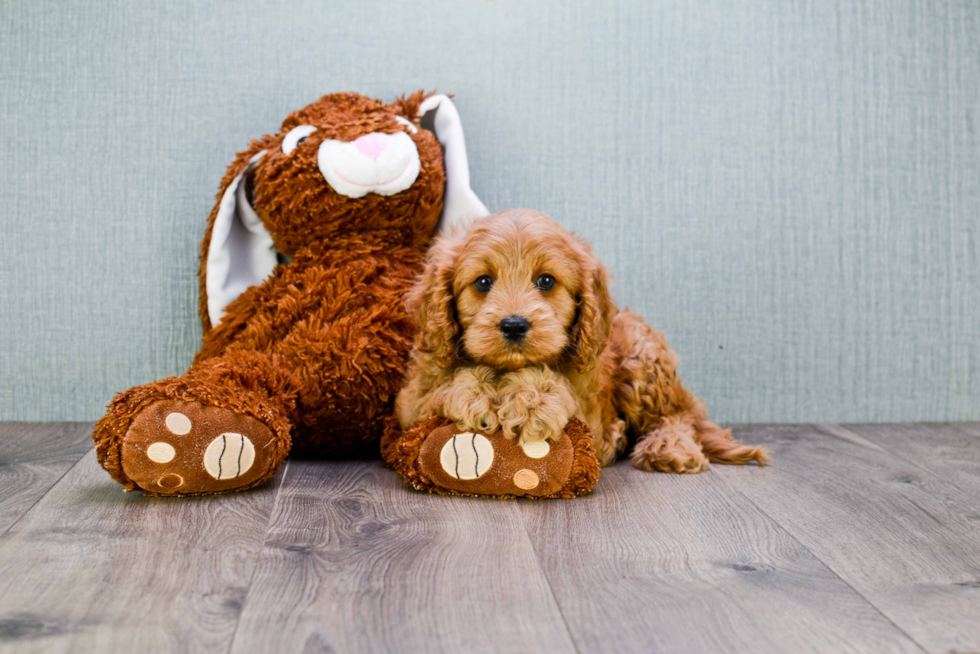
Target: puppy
(517, 331)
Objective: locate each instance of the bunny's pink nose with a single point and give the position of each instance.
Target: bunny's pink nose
(371, 144)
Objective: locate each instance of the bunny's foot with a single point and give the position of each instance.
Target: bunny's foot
(175, 447)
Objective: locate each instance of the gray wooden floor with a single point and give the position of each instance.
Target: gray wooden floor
(857, 539)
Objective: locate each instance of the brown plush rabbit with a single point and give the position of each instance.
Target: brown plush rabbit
(318, 232)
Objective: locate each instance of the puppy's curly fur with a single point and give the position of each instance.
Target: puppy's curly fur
(580, 357)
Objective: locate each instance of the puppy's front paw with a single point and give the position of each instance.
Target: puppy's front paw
(485, 423)
(472, 412)
(532, 415)
(535, 404)
(469, 400)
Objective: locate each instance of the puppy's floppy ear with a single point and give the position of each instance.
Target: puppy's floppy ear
(432, 304)
(237, 251)
(460, 206)
(596, 311)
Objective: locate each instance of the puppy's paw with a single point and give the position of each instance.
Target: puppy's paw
(482, 421)
(524, 414)
(674, 461)
(669, 449)
(536, 430)
(476, 414)
(469, 402)
(535, 405)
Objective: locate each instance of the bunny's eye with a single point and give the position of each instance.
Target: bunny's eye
(407, 123)
(483, 283)
(296, 136)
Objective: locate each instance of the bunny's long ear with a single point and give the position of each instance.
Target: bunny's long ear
(460, 206)
(240, 253)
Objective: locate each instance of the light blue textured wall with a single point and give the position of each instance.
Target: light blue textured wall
(790, 190)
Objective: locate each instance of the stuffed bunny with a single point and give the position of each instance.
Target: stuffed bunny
(318, 232)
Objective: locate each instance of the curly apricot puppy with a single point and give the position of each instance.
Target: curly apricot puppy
(517, 330)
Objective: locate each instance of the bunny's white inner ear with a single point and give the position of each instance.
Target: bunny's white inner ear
(460, 206)
(241, 253)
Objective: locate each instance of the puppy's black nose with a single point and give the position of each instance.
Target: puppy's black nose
(514, 328)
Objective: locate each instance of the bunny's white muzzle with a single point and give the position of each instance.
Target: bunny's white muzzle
(374, 163)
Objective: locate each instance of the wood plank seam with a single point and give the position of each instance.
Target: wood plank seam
(858, 438)
(544, 573)
(38, 500)
(353, 546)
(825, 563)
(265, 539)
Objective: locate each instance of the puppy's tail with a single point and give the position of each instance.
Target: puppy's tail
(718, 446)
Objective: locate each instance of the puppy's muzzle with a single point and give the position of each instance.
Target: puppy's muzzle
(514, 328)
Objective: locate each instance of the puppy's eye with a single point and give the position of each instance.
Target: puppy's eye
(483, 283)
(545, 282)
(412, 128)
(296, 136)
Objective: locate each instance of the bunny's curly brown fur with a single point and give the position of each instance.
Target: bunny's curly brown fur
(316, 353)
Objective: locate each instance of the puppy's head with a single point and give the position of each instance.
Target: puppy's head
(514, 290)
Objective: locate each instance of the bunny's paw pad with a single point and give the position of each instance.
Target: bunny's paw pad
(490, 464)
(175, 447)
